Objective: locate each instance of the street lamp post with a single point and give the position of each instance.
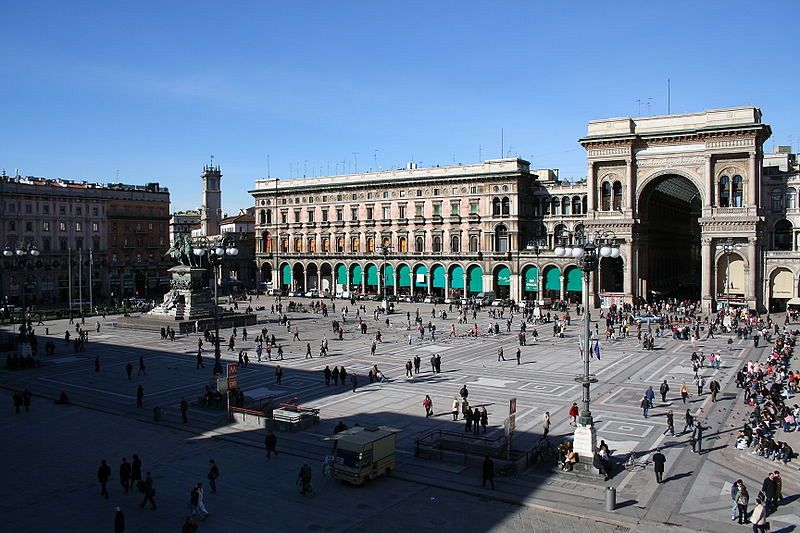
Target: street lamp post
(728, 246)
(216, 250)
(22, 251)
(587, 252)
(385, 250)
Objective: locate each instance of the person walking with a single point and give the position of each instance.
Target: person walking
(464, 393)
(119, 521)
(670, 424)
(500, 354)
(213, 474)
(769, 488)
(650, 395)
(129, 371)
(136, 471)
(139, 396)
(684, 392)
(476, 420)
(573, 413)
(184, 410)
(343, 375)
(278, 374)
(736, 489)
(417, 363)
(759, 516)
(201, 505)
(545, 424)
(335, 375)
(149, 491)
(645, 405)
(519, 356)
(271, 444)
(488, 472)
(327, 374)
(664, 389)
(714, 388)
(125, 475)
(142, 369)
(354, 381)
(456, 407)
(484, 419)
(700, 382)
(658, 465)
(304, 479)
(697, 438)
(103, 474)
(199, 364)
(408, 369)
(427, 403)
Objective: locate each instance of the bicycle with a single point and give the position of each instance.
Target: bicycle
(544, 453)
(632, 465)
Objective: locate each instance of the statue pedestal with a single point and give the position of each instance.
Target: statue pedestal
(187, 299)
(585, 443)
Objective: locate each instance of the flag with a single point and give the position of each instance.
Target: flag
(597, 350)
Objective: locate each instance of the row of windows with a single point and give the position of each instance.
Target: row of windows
(64, 244)
(385, 212)
(567, 205)
(418, 193)
(731, 191)
(62, 209)
(784, 198)
(45, 226)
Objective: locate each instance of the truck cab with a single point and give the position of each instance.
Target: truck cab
(362, 453)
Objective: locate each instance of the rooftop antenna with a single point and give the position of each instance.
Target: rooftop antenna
(648, 105)
(480, 153)
(375, 159)
(638, 107)
(502, 142)
(268, 173)
(355, 167)
(669, 98)
(212, 160)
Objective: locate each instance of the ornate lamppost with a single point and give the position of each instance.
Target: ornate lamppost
(587, 251)
(215, 249)
(728, 246)
(384, 250)
(22, 251)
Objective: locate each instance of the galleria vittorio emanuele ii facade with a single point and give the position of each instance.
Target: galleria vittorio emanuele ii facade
(697, 209)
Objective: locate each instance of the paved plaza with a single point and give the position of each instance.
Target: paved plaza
(57, 449)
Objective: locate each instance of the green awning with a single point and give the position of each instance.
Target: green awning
(475, 274)
(531, 279)
(287, 274)
(438, 276)
(552, 279)
(356, 275)
(388, 277)
(341, 274)
(574, 281)
(457, 278)
(372, 275)
(504, 277)
(404, 275)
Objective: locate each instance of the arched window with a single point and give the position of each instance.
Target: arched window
(585, 203)
(354, 244)
(791, 198)
(455, 244)
(555, 207)
(387, 242)
(777, 199)
(285, 246)
(496, 207)
(473, 243)
(565, 206)
(419, 245)
(312, 245)
(506, 204)
(537, 207)
(580, 230)
(269, 216)
(340, 245)
(617, 203)
(545, 207)
(783, 235)
(326, 245)
(737, 190)
(724, 191)
(576, 205)
(437, 244)
(605, 196)
(298, 245)
(262, 217)
(501, 239)
(559, 232)
(267, 244)
(371, 245)
(402, 245)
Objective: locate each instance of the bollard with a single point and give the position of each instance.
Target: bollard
(157, 414)
(611, 498)
(47, 331)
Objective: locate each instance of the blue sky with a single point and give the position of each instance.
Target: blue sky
(149, 90)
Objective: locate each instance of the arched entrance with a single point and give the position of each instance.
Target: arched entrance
(668, 240)
(404, 279)
(325, 278)
(475, 280)
(341, 279)
(456, 281)
(298, 277)
(286, 277)
(356, 279)
(573, 284)
(438, 280)
(372, 279)
(388, 279)
(552, 282)
(420, 280)
(530, 290)
(312, 273)
(781, 289)
(502, 281)
(730, 278)
(266, 274)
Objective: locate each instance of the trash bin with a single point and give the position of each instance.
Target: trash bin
(157, 414)
(611, 498)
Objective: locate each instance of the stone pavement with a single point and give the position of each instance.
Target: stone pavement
(545, 381)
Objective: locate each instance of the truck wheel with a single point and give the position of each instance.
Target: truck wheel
(388, 470)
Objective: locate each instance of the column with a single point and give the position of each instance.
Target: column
(446, 284)
(707, 269)
(590, 188)
(631, 179)
(709, 169)
(394, 279)
(628, 271)
(466, 284)
(363, 287)
(752, 181)
(540, 285)
(752, 274)
(430, 283)
(561, 287)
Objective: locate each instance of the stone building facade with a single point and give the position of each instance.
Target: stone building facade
(685, 198)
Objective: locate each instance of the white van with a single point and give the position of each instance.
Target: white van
(485, 298)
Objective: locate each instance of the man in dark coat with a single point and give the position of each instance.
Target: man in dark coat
(119, 521)
(488, 472)
(658, 464)
(770, 490)
(664, 389)
(697, 437)
(104, 472)
(271, 444)
(139, 396)
(125, 474)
